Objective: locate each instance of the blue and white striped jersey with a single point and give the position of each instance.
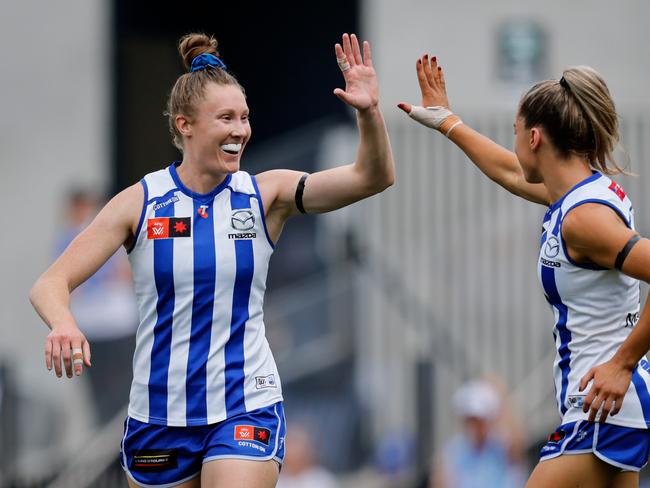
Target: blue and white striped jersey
(594, 308)
(200, 263)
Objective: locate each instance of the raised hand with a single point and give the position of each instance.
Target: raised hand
(361, 87)
(431, 79)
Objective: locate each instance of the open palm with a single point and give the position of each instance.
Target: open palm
(361, 87)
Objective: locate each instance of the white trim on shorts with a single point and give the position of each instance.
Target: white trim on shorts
(563, 446)
(139, 483)
(593, 450)
(254, 458)
(609, 461)
(168, 485)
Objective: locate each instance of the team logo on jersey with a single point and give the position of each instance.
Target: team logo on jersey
(268, 381)
(242, 219)
(169, 227)
(552, 247)
(252, 433)
(203, 211)
(616, 188)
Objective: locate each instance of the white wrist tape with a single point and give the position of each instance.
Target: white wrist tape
(434, 117)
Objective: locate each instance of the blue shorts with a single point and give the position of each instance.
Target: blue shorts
(161, 456)
(623, 447)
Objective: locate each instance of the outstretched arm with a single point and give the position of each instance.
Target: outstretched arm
(496, 162)
(372, 172)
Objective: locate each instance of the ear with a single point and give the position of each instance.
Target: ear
(535, 139)
(183, 125)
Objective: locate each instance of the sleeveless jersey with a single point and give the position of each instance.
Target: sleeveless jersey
(199, 266)
(594, 308)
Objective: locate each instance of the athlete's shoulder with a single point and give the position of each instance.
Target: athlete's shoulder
(600, 189)
(158, 182)
(242, 182)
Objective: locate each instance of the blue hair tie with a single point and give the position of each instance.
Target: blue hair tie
(205, 61)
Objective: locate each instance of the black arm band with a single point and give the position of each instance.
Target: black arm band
(299, 191)
(626, 250)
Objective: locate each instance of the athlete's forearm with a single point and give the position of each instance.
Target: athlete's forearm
(50, 297)
(637, 343)
(374, 155)
(495, 161)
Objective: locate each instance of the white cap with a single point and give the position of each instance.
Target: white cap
(477, 399)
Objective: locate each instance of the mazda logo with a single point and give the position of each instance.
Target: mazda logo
(242, 220)
(552, 247)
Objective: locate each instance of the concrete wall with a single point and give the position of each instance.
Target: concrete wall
(53, 134)
(611, 37)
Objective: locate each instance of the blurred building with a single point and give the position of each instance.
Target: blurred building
(397, 300)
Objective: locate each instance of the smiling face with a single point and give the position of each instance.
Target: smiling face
(217, 134)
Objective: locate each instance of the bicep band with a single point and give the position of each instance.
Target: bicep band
(620, 259)
(299, 191)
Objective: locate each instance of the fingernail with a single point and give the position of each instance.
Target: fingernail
(433, 58)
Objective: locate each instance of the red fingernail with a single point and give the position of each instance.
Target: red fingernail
(433, 58)
(419, 61)
(439, 68)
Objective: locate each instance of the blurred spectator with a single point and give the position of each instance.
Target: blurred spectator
(300, 468)
(105, 310)
(487, 452)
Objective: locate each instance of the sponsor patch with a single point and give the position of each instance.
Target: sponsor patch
(252, 433)
(242, 219)
(268, 381)
(576, 401)
(154, 460)
(557, 436)
(169, 227)
(616, 188)
(243, 235)
(169, 201)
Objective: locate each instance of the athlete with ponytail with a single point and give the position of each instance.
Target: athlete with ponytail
(205, 407)
(590, 261)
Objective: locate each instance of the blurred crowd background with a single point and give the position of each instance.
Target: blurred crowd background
(410, 331)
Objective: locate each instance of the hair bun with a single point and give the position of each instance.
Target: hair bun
(192, 45)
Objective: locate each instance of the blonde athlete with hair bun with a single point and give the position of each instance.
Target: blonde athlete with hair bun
(205, 407)
(590, 261)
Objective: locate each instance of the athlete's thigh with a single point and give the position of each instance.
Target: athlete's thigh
(572, 471)
(193, 483)
(627, 479)
(239, 473)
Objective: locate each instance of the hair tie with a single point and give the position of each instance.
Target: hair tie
(564, 83)
(205, 61)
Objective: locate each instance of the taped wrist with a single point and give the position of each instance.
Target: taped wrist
(439, 118)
